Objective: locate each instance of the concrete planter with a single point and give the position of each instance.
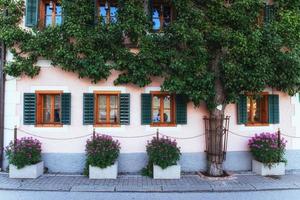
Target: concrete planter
(172, 172)
(29, 171)
(110, 172)
(263, 170)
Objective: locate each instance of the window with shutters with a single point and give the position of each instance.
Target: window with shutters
(257, 109)
(107, 108)
(50, 13)
(163, 109)
(107, 11)
(162, 14)
(49, 107)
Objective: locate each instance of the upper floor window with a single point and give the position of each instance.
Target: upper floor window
(163, 106)
(257, 109)
(107, 11)
(107, 108)
(50, 13)
(162, 14)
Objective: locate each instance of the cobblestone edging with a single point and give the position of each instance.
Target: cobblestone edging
(136, 183)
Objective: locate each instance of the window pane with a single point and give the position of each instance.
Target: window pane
(113, 109)
(167, 16)
(48, 9)
(46, 108)
(103, 13)
(102, 108)
(256, 110)
(58, 14)
(167, 108)
(57, 108)
(58, 9)
(48, 21)
(156, 109)
(155, 18)
(113, 14)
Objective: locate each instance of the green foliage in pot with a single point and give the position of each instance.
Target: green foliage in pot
(24, 151)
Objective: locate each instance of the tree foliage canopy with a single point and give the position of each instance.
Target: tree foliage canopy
(253, 55)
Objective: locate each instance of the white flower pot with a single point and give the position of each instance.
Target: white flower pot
(110, 172)
(264, 170)
(171, 172)
(29, 171)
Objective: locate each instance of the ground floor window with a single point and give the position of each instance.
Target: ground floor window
(257, 109)
(107, 108)
(48, 108)
(163, 107)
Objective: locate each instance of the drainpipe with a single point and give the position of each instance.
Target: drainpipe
(2, 96)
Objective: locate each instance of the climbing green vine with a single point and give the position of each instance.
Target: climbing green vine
(251, 55)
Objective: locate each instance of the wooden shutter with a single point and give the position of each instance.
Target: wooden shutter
(124, 109)
(181, 109)
(242, 114)
(66, 108)
(273, 109)
(29, 111)
(32, 10)
(88, 108)
(146, 109)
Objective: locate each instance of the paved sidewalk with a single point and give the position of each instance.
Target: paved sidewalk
(137, 183)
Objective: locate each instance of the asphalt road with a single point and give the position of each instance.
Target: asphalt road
(261, 195)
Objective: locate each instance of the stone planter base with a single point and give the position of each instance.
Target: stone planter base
(172, 172)
(29, 171)
(110, 172)
(263, 170)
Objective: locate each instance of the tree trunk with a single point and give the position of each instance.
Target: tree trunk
(215, 141)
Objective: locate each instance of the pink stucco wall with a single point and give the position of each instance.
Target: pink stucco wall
(56, 79)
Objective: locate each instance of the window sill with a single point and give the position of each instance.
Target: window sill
(107, 125)
(257, 124)
(163, 125)
(49, 125)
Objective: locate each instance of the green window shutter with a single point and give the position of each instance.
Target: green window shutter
(269, 13)
(150, 10)
(146, 109)
(242, 115)
(32, 10)
(88, 108)
(273, 101)
(96, 12)
(29, 108)
(181, 109)
(66, 108)
(124, 109)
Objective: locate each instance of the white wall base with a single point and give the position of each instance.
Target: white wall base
(263, 170)
(29, 171)
(172, 172)
(110, 172)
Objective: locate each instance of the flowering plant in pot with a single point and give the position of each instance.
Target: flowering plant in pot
(24, 156)
(268, 150)
(163, 154)
(102, 153)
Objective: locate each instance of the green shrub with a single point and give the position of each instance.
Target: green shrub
(267, 148)
(162, 152)
(101, 151)
(25, 151)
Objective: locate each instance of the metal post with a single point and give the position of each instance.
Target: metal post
(279, 141)
(94, 134)
(157, 134)
(15, 135)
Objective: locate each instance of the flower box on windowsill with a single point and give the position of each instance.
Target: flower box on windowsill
(29, 171)
(171, 172)
(110, 172)
(264, 170)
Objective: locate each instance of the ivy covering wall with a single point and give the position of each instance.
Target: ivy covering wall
(252, 57)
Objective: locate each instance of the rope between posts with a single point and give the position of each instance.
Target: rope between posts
(134, 137)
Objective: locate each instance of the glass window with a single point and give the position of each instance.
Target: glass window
(257, 109)
(52, 13)
(107, 108)
(161, 15)
(108, 11)
(162, 108)
(48, 108)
